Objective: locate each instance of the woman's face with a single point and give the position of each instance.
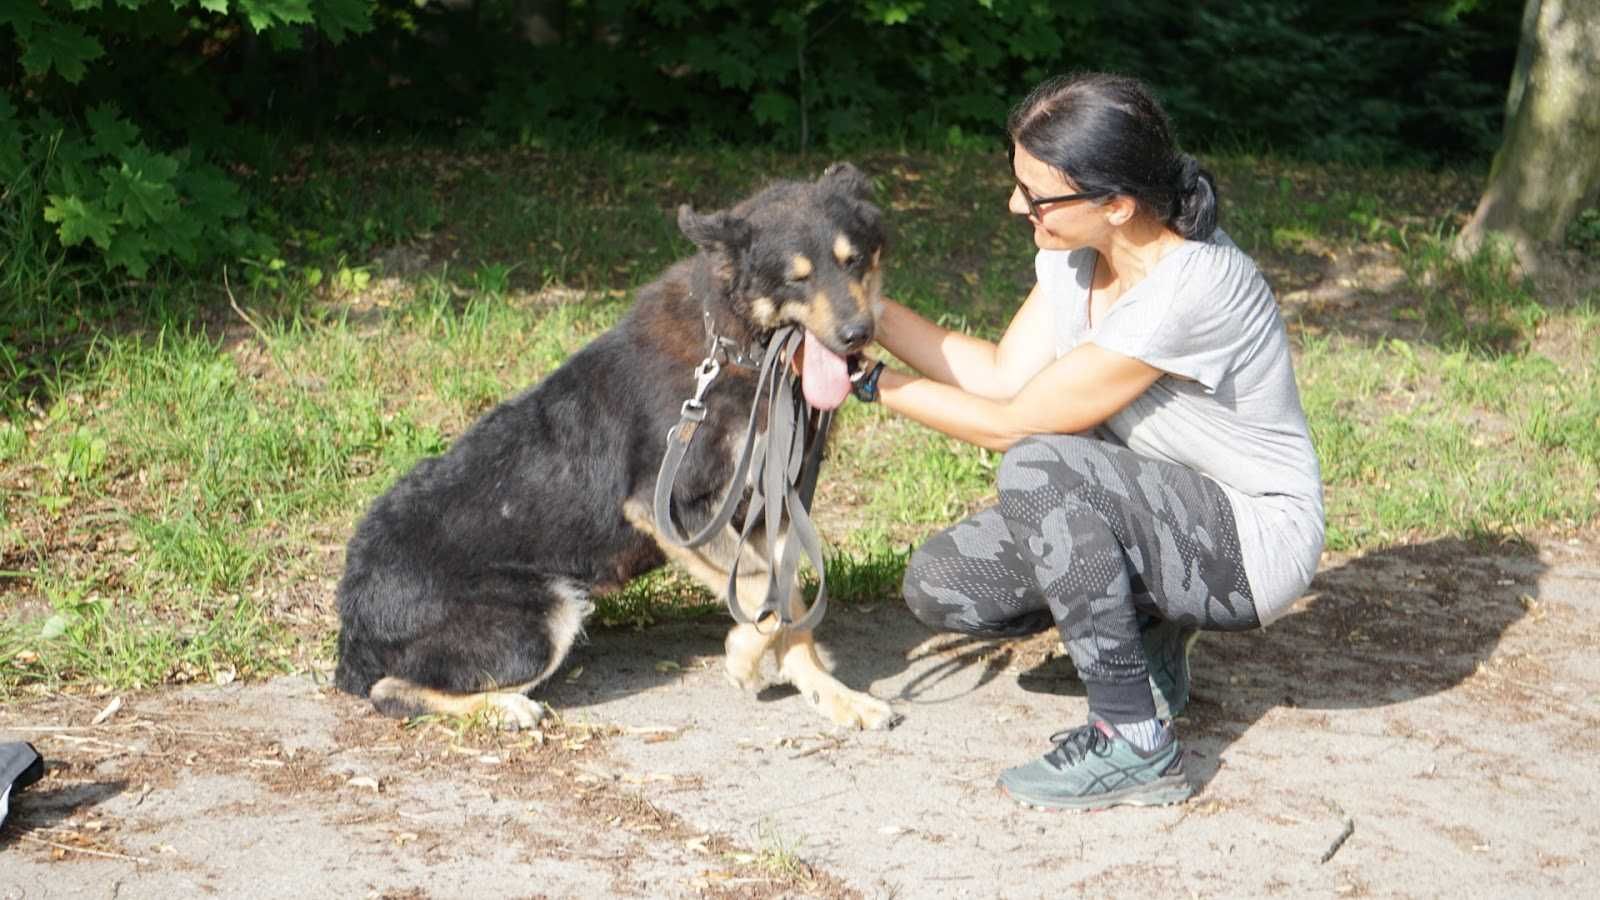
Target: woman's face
(1061, 225)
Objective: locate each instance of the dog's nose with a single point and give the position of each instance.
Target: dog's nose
(855, 335)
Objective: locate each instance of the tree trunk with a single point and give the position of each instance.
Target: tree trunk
(1548, 167)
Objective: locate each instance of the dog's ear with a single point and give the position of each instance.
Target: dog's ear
(714, 231)
(845, 177)
(849, 195)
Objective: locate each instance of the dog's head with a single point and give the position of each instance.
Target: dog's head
(805, 253)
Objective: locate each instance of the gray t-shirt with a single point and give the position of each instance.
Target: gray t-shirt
(1228, 408)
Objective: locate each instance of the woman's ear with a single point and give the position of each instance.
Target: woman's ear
(1120, 210)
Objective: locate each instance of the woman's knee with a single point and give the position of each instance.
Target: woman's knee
(928, 601)
(945, 594)
(1062, 460)
(1039, 472)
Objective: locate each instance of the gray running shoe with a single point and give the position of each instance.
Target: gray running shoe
(1166, 651)
(1093, 767)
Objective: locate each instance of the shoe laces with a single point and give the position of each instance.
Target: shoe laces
(1077, 744)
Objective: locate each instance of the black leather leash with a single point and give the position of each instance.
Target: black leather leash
(786, 466)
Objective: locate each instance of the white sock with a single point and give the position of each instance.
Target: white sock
(1146, 735)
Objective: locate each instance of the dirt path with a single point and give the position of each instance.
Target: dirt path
(1439, 698)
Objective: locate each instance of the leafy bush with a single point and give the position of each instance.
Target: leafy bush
(1361, 80)
(795, 74)
(105, 187)
(129, 126)
(122, 149)
(1424, 80)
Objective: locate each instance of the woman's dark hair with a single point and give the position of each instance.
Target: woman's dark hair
(1108, 133)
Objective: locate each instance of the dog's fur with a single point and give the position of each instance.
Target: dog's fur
(466, 584)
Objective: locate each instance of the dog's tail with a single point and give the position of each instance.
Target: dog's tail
(359, 667)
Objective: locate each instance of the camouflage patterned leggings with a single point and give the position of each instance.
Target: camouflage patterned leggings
(1093, 537)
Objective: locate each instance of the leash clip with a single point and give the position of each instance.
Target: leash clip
(695, 407)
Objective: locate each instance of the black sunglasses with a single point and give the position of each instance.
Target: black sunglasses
(1036, 204)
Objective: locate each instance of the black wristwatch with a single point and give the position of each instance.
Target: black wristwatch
(864, 382)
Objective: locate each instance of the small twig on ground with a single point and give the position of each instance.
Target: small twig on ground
(827, 742)
(109, 711)
(1344, 833)
(68, 847)
(249, 320)
(80, 741)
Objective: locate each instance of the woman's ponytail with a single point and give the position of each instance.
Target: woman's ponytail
(1195, 210)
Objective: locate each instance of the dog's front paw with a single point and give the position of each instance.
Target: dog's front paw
(516, 712)
(747, 678)
(853, 709)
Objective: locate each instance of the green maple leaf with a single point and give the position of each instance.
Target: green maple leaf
(339, 19)
(129, 251)
(211, 195)
(263, 14)
(773, 108)
(179, 236)
(61, 46)
(80, 220)
(142, 187)
(112, 133)
(24, 17)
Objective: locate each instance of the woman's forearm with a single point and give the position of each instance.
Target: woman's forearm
(949, 410)
(939, 353)
(1075, 393)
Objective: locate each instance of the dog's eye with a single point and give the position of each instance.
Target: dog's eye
(852, 261)
(797, 278)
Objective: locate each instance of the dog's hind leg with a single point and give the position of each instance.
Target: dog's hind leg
(402, 699)
(487, 653)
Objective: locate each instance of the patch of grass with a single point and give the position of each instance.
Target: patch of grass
(872, 574)
(1480, 304)
(664, 594)
(776, 855)
(45, 321)
(1278, 205)
(1419, 441)
(105, 643)
(670, 594)
(913, 480)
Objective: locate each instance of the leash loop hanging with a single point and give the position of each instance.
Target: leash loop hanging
(786, 465)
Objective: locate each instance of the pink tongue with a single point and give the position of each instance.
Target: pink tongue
(825, 377)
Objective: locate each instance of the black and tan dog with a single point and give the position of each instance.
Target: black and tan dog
(466, 584)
